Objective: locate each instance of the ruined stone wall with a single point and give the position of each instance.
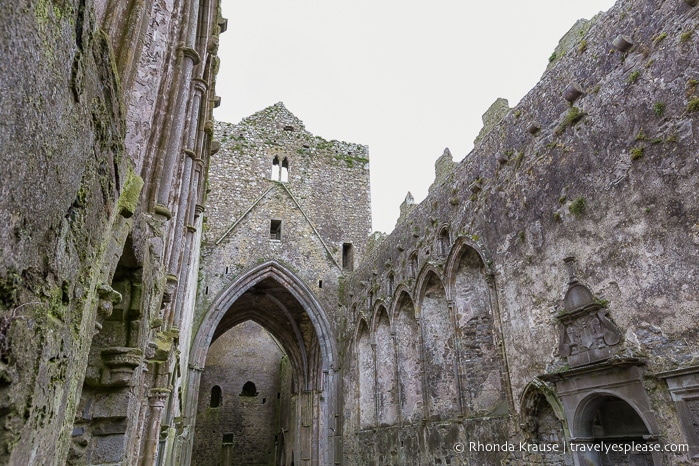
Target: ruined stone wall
(323, 205)
(244, 427)
(96, 182)
(288, 217)
(328, 179)
(598, 162)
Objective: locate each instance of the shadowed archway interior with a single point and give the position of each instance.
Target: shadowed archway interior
(270, 299)
(271, 305)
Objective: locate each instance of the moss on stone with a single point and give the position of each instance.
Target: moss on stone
(578, 206)
(573, 116)
(128, 200)
(693, 105)
(637, 152)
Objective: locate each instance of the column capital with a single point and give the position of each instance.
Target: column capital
(189, 52)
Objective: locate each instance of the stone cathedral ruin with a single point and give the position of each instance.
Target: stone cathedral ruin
(175, 290)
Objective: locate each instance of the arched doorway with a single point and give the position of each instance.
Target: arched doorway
(275, 299)
(241, 422)
(605, 419)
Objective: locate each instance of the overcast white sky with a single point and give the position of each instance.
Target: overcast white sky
(406, 78)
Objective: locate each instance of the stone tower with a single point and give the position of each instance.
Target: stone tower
(288, 217)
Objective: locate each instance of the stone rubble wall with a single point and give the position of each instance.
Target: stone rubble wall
(609, 178)
(324, 204)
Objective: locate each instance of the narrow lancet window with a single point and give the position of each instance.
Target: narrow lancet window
(216, 397)
(275, 169)
(347, 257)
(275, 229)
(284, 177)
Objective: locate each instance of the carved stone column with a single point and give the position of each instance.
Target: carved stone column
(458, 367)
(156, 402)
(188, 58)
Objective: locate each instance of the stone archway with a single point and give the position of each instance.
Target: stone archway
(604, 418)
(276, 299)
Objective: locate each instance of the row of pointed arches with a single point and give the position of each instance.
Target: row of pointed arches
(431, 352)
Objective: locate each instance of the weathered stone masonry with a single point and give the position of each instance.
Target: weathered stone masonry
(545, 290)
(288, 218)
(106, 130)
(598, 162)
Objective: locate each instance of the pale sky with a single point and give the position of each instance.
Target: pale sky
(406, 78)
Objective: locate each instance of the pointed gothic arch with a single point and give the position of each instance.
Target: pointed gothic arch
(455, 254)
(386, 370)
(408, 354)
(366, 376)
(439, 353)
(285, 306)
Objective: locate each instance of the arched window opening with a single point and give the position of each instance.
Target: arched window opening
(444, 241)
(284, 176)
(216, 397)
(413, 265)
(275, 169)
(439, 350)
(386, 384)
(347, 257)
(249, 389)
(409, 362)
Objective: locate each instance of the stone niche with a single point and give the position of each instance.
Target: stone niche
(602, 394)
(586, 332)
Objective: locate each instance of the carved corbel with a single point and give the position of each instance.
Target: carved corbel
(108, 297)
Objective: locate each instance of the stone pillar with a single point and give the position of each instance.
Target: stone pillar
(305, 431)
(458, 369)
(376, 384)
(184, 226)
(426, 405)
(156, 402)
(188, 57)
(499, 340)
(190, 414)
(396, 375)
(178, 239)
(331, 407)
